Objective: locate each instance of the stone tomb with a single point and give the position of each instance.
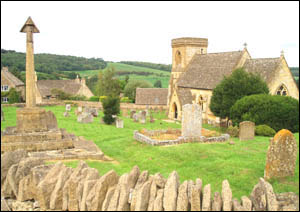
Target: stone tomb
(281, 155)
(191, 120)
(85, 118)
(247, 131)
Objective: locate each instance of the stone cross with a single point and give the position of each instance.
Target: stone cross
(29, 28)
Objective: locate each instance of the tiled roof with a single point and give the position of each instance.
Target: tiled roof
(151, 96)
(68, 86)
(205, 71)
(9, 76)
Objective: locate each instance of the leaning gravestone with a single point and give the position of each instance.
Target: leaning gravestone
(2, 115)
(135, 117)
(66, 114)
(281, 155)
(191, 120)
(68, 107)
(119, 123)
(85, 118)
(132, 113)
(247, 131)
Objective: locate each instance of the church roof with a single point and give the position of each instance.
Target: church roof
(9, 76)
(265, 67)
(151, 96)
(184, 96)
(68, 86)
(205, 71)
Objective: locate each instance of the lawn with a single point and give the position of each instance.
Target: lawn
(241, 164)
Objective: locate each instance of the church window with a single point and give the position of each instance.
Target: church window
(282, 91)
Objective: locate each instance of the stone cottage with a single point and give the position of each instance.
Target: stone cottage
(151, 96)
(195, 73)
(8, 81)
(73, 87)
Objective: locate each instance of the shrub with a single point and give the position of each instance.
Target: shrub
(101, 98)
(126, 100)
(94, 99)
(77, 97)
(264, 130)
(278, 112)
(233, 131)
(59, 94)
(13, 96)
(111, 106)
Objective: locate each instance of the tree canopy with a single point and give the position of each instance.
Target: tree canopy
(130, 88)
(232, 88)
(108, 84)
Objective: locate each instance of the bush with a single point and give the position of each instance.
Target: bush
(13, 96)
(278, 112)
(126, 100)
(111, 106)
(264, 130)
(233, 131)
(77, 97)
(101, 98)
(94, 99)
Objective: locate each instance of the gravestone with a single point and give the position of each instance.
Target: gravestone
(142, 117)
(281, 155)
(132, 113)
(66, 114)
(2, 115)
(119, 123)
(94, 112)
(135, 117)
(247, 130)
(191, 120)
(85, 118)
(151, 119)
(79, 109)
(68, 107)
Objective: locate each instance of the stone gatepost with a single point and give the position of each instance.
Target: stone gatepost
(191, 120)
(281, 155)
(247, 130)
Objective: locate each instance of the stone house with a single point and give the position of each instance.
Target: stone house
(195, 73)
(8, 81)
(151, 96)
(73, 87)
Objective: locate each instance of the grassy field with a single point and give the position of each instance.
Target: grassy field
(156, 74)
(242, 164)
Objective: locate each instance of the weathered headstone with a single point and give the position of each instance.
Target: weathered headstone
(247, 130)
(66, 114)
(94, 112)
(79, 109)
(85, 118)
(68, 107)
(119, 123)
(151, 119)
(135, 117)
(132, 113)
(281, 155)
(142, 117)
(191, 120)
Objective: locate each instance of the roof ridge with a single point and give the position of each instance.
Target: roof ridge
(239, 51)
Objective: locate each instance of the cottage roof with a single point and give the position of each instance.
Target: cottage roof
(9, 76)
(205, 71)
(68, 86)
(265, 67)
(151, 96)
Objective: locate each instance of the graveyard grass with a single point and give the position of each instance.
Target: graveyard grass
(242, 164)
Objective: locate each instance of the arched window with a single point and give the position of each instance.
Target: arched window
(282, 91)
(178, 58)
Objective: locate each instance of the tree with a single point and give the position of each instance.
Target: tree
(111, 106)
(126, 79)
(108, 84)
(130, 88)
(157, 84)
(14, 96)
(232, 88)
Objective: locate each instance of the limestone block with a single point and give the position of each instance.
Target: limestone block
(246, 203)
(217, 202)
(114, 202)
(153, 192)
(141, 180)
(87, 187)
(183, 200)
(196, 196)
(258, 198)
(281, 155)
(108, 197)
(158, 202)
(226, 196)
(246, 130)
(206, 202)
(143, 197)
(191, 120)
(170, 192)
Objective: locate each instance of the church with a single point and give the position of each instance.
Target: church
(195, 73)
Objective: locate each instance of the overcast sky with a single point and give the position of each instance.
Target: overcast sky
(142, 31)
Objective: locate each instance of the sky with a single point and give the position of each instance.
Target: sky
(142, 31)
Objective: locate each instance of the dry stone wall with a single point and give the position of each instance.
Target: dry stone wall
(57, 187)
